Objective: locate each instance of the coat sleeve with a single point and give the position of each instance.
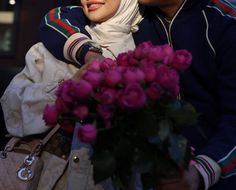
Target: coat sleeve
(62, 32)
(222, 146)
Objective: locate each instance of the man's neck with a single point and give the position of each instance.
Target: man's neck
(170, 9)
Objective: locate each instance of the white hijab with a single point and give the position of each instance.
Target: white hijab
(115, 34)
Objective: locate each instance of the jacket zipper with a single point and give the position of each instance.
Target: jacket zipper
(168, 32)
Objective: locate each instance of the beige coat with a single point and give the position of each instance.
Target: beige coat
(59, 174)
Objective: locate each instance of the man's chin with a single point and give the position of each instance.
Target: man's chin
(159, 3)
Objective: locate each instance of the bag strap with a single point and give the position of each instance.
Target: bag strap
(14, 140)
(49, 135)
(11, 143)
(39, 146)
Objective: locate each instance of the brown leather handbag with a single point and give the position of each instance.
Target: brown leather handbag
(21, 166)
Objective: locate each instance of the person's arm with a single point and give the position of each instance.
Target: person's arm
(63, 34)
(217, 160)
(222, 146)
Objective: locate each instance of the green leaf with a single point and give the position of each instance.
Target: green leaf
(165, 127)
(182, 113)
(177, 149)
(104, 166)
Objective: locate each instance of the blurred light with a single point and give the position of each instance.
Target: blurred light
(12, 2)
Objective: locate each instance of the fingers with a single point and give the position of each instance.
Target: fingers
(78, 75)
(173, 184)
(90, 57)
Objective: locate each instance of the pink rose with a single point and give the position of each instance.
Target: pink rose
(121, 69)
(139, 74)
(150, 72)
(145, 62)
(146, 45)
(181, 60)
(81, 111)
(106, 96)
(142, 50)
(167, 78)
(140, 53)
(107, 64)
(60, 88)
(123, 59)
(132, 97)
(129, 76)
(87, 133)
(65, 90)
(154, 91)
(50, 115)
(156, 54)
(61, 105)
(93, 77)
(82, 89)
(105, 111)
(112, 77)
(132, 75)
(167, 50)
(131, 60)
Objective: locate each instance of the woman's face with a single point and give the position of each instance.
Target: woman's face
(100, 10)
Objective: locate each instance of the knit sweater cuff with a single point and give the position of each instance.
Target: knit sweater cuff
(209, 170)
(73, 44)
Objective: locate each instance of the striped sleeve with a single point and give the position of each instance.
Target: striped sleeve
(73, 44)
(224, 7)
(54, 19)
(228, 164)
(62, 31)
(209, 170)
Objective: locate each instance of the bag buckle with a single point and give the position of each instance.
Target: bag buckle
(25, 174)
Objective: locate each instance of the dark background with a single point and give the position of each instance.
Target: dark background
(28, 16)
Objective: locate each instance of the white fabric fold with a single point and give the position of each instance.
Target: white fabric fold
(30, 90)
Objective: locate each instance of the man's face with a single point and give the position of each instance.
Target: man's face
(159, 3)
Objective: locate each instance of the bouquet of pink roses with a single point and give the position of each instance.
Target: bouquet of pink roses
(131, 113)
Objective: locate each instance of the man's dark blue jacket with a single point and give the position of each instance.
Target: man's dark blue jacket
(206, 28)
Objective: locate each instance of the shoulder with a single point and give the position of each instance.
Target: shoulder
(220, 18)
(221, 9)
(220, 21)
